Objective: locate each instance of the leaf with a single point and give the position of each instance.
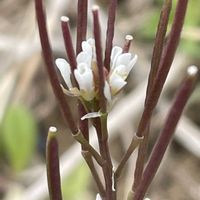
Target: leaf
(18, 136)
(76, 184)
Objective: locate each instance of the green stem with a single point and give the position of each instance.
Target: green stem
(80, 138)
(88, 158)
(134, 143)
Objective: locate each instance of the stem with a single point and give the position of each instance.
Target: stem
(52, 163)
(68, 43)
(80, 138)
(166, 134)
(128, 40)
(88, 158)
(83, 126)
(81, 24)
(154, 94)
(105, 153)
(134, 143)
(159, 42)
(104, 138)
(97, 37)
(110, 32)
(49, 61)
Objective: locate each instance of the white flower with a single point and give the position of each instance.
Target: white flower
(83, 73)
(65, 71)
(107, 92)
(121, 65)
(84, 77)
(87, 55)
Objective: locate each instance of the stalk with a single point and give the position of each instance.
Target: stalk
(166, 134)
(52, 163)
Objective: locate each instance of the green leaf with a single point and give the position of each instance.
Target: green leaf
(76, 184)
(18, 136)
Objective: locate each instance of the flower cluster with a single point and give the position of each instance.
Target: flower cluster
(86, 72)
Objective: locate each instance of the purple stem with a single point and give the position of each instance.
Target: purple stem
(97, 37)
(68, 43)
(159, 42)
(52, 163)
(154, 94)
(49, 61)
(110, 32)
(128, 40)
(81, 36)
(81, 24)
(166, 134)
(157, 52)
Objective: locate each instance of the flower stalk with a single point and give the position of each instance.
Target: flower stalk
(68, 42)
(81, 24)
(166, 134)
(154, 94)
(49, 61)
(101, 76)
(110, 32)
(52, 163)
(133, 145)
(88, 158)
(128, 40)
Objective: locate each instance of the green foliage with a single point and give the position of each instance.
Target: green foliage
(18, 137)
(192, 20)
(76, 184)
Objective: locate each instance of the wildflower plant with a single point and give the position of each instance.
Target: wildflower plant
(94, 79)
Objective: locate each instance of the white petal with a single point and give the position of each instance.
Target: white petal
(116, 51)
(84, 57)
(98, 197)
(65, 71)
(121, 71)
(116, 83)
(107, 92)
(91, 41)
(123, 59)
(132, 63)
(84, 77)
(89, 46)
(91, 115)
(86, 47)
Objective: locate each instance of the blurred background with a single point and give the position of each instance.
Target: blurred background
(28, 106)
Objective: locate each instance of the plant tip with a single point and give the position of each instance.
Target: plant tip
(52, 129)
(95, 7)
(192, 70)
(129, 37)
(64, 19)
